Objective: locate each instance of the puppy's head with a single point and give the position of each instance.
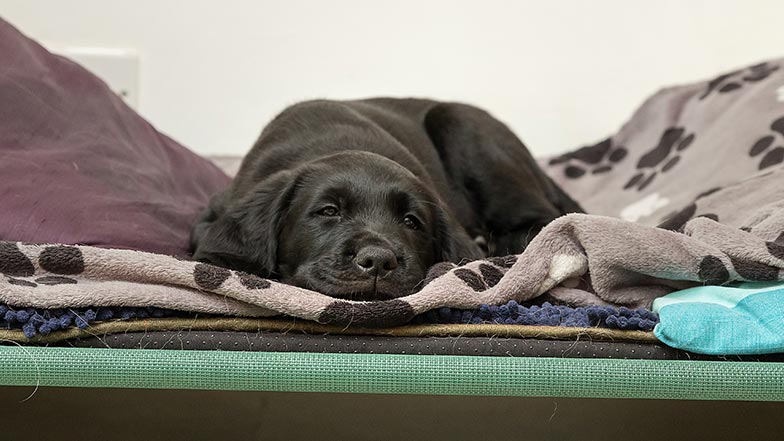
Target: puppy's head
(353, 225)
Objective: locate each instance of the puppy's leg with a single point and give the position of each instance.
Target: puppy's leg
(510, 194)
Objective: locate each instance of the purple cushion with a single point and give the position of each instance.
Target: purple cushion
(78, 166)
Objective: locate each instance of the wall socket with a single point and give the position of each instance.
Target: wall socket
(119, 67)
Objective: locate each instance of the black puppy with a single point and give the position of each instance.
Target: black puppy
(356, 199)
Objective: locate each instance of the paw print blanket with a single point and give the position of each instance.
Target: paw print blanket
(689, 192)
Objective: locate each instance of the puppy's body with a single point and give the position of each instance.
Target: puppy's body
(358, 198)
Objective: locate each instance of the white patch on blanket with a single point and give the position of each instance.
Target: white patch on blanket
(780, 91)
(563, 266)
(644, 207)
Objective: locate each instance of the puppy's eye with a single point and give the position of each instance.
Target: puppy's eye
(330, 211)
(411, 222)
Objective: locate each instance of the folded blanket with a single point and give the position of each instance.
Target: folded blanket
(709, 154)
(631, 265)
(747, 318)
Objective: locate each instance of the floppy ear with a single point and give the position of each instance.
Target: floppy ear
(560, 198)
(243, 235)
(452, 243)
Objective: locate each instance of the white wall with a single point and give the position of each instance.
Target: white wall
(561, 73)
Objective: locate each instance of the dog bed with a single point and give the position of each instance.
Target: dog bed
(118, 279)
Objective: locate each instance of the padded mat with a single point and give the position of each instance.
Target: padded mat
(475, 346)
(238, 324)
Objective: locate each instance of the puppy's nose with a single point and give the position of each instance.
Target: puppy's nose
(374, 259)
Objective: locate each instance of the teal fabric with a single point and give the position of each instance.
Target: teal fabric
(745, 318)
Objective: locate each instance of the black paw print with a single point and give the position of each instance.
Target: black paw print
(487, 277)
(47, 280)
(735, 80)
(599, 158)
(676, 220)
(59, 259)
(673, 141)
(772, 156)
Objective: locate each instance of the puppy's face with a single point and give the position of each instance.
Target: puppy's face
(359, 233)
(353, 225)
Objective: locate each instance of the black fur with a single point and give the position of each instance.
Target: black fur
(357, 199)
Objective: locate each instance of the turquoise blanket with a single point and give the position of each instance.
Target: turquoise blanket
(744, 318)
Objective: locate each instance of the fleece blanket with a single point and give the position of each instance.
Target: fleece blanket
(703, 162)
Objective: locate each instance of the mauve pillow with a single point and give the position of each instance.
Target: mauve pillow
(78, 166)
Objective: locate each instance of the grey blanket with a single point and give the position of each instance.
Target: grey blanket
(689, 192)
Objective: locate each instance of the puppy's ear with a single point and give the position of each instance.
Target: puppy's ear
(560, 199)
(243, 234)
(221, 242)
(452, 243)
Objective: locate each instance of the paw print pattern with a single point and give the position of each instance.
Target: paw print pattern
(487, 277)
(736, 79)
(58, 259)
(211, 277)
(490, 272)
(713, 271)
(773, 156)
(662, 158)
(676, 220)
(13, 263)
(597, 159)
